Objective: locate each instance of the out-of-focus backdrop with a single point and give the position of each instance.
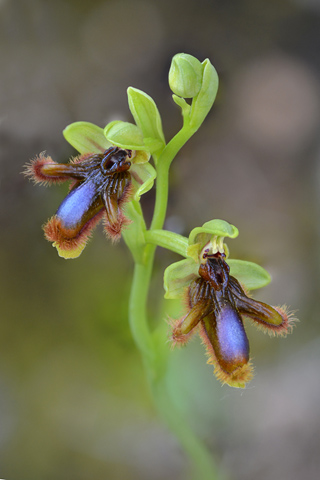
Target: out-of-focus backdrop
(74, 403)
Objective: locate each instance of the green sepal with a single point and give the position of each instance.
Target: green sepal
(143, 176)
(133, 234)
(86, 137)
(202, 103)
(178, 276)
(249, 274)
(146, 115)
(125, 135)
(199, 236)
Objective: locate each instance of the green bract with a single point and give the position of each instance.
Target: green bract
(202, 103)
(178, 276)
(185, 75)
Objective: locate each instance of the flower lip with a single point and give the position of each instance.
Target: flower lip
(217, 304)
(101, 184)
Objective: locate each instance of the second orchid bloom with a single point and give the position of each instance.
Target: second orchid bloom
(217, 302)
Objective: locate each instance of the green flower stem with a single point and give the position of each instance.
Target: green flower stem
(169, 240)
(142, 273)
(153, 354)
(163, 165)
(200, 456)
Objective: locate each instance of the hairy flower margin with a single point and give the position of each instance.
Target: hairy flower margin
(217, 301)
(104, 178)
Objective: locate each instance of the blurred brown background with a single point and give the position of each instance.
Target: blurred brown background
(73, 400)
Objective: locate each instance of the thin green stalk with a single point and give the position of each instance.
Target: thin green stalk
(163, 165)
(152, 357)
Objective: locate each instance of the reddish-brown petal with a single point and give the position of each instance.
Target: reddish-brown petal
(181, 328)
(273, 320)
(117, 193)
(44, 170)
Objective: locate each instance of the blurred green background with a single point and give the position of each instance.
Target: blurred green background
(74, 403)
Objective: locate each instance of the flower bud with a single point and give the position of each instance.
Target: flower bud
(185, 75)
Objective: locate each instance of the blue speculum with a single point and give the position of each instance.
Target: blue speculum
(77, 204)
(231, 335)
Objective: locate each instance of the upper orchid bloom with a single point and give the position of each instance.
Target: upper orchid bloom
(104, 177)
(217, 302)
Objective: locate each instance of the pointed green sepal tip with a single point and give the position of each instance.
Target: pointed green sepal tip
(86, 137)
(185, 75)
(178, 276)
(124, 135)
(146, 115)
(249, 274)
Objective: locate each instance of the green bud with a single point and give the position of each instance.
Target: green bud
(185, 75)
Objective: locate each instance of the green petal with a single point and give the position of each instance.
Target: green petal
(178, 276)
(143, 176)
(249, 274)
(141, 156)
(199, 236)
(153, 145)
(146, 115)
(125, 135)
(86, 137)
(214, 227)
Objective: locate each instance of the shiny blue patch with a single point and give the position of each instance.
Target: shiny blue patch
(76, 204)
(231, 335)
